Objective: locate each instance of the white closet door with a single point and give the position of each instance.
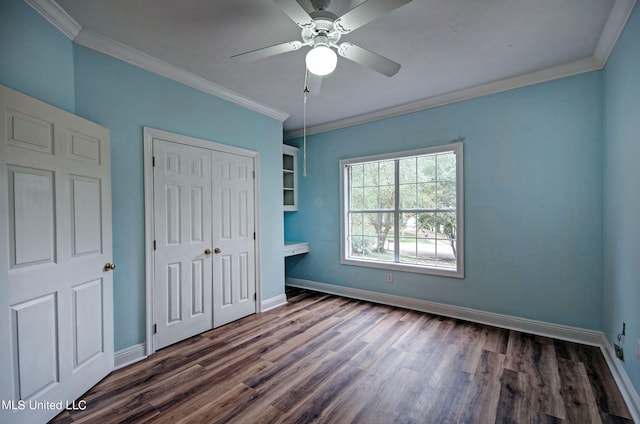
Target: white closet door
(234, 280)
(182, 197)
(56, 306)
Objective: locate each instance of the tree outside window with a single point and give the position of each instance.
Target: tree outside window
(402, 211)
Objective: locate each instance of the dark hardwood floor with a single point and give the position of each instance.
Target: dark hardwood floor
(328, 359)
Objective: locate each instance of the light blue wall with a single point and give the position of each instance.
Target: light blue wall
(533, 202)
(125, 99)
(35, 58)
(40, 61)
(622, 194)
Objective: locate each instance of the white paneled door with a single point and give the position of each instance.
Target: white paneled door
(204, 257)
(182, 197)
(233, 238)
(56, 306)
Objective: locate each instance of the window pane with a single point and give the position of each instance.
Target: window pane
(446, 163)
(371, 236)
(446, 248)
(407, 196)
(370, 174)
(371, 197)
(380, 227)
(357, 198)
(357, 175)
(355, 223)
(446, 195)
(408, 250)
(446, 225)
(426, 168)
(426, 195)
(387, 173)
(426, 223)
(387, 197)
(360, 246)
(407, 170)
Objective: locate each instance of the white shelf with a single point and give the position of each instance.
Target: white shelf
(289, 178)
(295, 247)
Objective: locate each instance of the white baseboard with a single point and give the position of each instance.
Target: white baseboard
(627, 389)
(274, 302)
(562, 332)
(129, 355)
(138, 351)
(556, 331)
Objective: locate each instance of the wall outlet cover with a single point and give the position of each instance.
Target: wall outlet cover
(619, 352)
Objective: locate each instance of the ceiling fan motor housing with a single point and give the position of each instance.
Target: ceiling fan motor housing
(323, 32)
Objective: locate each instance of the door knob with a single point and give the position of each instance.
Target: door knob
(217, 250)
(207, 251)
(109, 267)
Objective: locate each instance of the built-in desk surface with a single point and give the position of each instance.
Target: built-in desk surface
(295, 247)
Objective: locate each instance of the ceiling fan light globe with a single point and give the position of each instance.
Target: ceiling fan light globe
(321, 60)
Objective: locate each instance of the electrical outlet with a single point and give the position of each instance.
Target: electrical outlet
(619, 352)
(389, 278)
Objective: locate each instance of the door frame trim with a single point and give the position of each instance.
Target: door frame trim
(149, 134)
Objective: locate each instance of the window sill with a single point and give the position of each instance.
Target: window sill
(391, 266)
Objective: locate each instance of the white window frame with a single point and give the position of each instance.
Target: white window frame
(394, 266)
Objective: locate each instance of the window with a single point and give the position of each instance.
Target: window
(404, 211)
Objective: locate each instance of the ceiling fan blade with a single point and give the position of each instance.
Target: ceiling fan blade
(364, 13)
(296, 12)
(369, 59)
(268, 51)
(314, 83)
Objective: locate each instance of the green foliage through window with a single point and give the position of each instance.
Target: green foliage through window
(403, 210)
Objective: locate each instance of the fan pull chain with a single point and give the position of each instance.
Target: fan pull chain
(304, 124)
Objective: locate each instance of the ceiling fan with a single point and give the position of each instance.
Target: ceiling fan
(321, 30)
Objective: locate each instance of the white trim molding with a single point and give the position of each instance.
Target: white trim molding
(625, 385)
(112, 48)
(57, 16)
(618, 17)
(129, 355)
(556, 331)
(562, 332)
(273, 302)
(566, 70)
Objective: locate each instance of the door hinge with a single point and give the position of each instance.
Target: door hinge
(154, 245)
(153, 161)
(254, 175)
(255, 296)
(254, 235)
(155, 328)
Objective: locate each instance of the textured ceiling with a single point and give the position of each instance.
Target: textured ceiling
(444, 47)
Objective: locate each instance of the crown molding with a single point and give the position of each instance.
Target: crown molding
(57, 16)
(52, 12)
(618, 17)
(142, 60)
(568, 69)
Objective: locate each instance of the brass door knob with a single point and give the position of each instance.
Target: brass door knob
(109, 267)
(217, 250)
(207, 251)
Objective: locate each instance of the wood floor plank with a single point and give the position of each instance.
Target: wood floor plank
(480, 399)
(579, 400)
(326, 359)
